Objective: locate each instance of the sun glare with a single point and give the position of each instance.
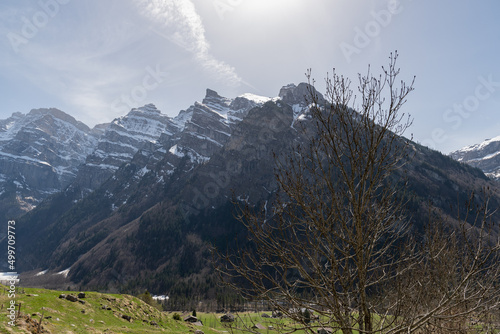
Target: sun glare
(265, 7)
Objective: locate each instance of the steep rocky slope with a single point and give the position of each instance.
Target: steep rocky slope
(120, 140)
(135, 156)
(40, 153)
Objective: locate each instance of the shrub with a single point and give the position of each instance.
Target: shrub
(307, 316)
(148, 299)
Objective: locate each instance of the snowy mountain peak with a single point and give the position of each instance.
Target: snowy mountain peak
(148, 108)
(290, 86)
(17, 115)
(43, 120)
(479, 146)
(57, 114)
(229, 111)
(41, 126)
(40, 154)
(485, 155)
(146, 122)
(255, 98)
(46, 150)
(6, 124)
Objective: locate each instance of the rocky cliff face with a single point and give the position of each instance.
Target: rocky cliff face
(206, 126)
(142, 145)
(46, 151)
(190, 139)
(40, 154)
(485, 156)
(119, 141)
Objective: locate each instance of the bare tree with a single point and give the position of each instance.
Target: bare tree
(454, 287)
(339, 243)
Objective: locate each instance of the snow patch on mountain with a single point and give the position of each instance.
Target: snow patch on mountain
(182, 118)
(256, 98)
(175, 151)
(25, 158)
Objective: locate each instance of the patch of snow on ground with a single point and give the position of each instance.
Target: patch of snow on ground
(24, 158)
(42, 272)
(64, 272)
(198, 158)
(103, 166)
(8, 276)
(175, 151)
(183, 117)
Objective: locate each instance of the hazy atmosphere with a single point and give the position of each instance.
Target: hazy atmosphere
(97, 59)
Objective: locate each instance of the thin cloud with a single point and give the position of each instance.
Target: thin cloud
(179, 22)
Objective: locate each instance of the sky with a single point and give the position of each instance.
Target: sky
(97, 59)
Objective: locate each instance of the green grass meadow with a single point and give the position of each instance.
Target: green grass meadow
(94, 316)
(103, 313)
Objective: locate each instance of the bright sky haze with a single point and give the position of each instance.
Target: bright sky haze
(97, 59)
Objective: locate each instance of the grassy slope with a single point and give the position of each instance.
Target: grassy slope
(73, 317)
(64, 316)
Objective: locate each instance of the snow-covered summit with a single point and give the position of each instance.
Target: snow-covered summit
(255, 98)
(485, 155)
(120, 140)
(40, 153)
(478, 147)
(146, 123)
(48, 135)
(228, 110)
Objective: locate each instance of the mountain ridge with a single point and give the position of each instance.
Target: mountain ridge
(151, 223)
(485, 156)
(39, 155)
(37, 139)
